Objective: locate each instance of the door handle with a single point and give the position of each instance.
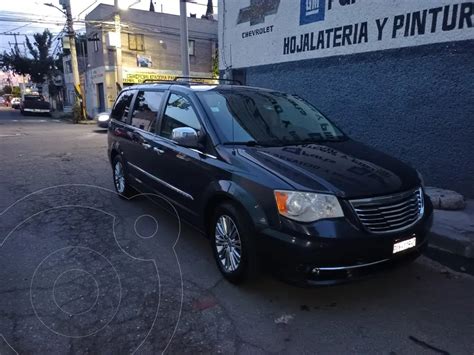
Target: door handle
(158, 150)
(146, 146)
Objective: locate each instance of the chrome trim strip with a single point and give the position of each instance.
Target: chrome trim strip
(391, 213)
(205, 154)
(161, 181)
(335, 268)
(385, 208)
(383, 199)
(372, 224)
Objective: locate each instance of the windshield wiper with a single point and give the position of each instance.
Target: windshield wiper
(247, 143)
(252, 144)
(313, 141)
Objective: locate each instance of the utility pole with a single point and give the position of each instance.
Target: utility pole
(16, 42)
(184, 37)
(17, 52)
(118, 48)
(72, 44)
(210, 10)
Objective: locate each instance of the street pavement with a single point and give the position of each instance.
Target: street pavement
(83, 271)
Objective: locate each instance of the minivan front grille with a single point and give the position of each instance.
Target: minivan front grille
(391, 213)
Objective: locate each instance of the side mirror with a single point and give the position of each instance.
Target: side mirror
(186, 137)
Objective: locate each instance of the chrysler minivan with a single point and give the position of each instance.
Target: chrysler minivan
(269, 179)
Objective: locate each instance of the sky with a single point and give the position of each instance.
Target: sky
(30, 16)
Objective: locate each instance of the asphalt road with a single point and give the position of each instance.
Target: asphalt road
(82, 271)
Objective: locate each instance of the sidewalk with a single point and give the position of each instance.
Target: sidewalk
(67, 116)
(453, 231)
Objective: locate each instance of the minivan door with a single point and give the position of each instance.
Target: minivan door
(142, 152)
(180, 169)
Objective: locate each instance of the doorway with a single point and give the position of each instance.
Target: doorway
(100, 97)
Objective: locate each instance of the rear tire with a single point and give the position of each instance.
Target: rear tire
(232, 240)
(122, 187)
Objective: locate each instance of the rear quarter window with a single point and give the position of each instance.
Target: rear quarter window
(122, 106)
(146, 108)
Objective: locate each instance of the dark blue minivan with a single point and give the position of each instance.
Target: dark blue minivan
(269, 179)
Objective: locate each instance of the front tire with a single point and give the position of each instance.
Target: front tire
(122, 187)
(233, 245)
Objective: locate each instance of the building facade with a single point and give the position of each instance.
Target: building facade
(397, 75)
(150, 43)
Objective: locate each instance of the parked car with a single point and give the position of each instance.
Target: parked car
(103, 119)
(35, 104)
(3, 102)
(269, 179)
(16, 101)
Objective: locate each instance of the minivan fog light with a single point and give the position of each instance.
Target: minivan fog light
(306, 206)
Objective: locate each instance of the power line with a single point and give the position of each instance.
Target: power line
(16, 28)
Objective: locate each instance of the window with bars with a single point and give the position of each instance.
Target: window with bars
(136, 42)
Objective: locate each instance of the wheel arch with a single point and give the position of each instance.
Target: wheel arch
(240, 198)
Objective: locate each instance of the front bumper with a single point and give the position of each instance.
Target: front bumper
(334, 251)
(103, 124)
(36, 110)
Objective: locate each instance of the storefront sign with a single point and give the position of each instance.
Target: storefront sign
(140, 77)
(259, 32)
(137, 76)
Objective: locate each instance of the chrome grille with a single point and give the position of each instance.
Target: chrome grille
(391, 213)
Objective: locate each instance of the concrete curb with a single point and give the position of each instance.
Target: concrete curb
(88, 122)
(68, 118)
(451, 245)
(453, 231)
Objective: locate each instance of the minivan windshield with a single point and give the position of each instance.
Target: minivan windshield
(247, 116)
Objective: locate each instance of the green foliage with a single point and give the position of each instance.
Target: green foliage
(16, 92)
(215, 64)
(76, 112)
(38, 65)
(7, 90)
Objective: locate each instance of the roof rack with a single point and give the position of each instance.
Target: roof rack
(158, 81)
(190, 80)
(193, 78)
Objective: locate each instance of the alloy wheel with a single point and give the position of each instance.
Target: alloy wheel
(228, 244)
(119, 177)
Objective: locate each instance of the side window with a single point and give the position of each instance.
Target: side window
(178, 113)
(122, 106)
(145, 109)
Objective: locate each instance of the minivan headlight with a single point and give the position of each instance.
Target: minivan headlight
(307, 206)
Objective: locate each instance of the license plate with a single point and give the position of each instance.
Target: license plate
(404, 245)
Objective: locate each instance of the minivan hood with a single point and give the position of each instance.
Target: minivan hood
(347, 168)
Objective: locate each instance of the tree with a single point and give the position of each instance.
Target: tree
(215, 64)
(7, 89)
(38, 65)
(16, 92)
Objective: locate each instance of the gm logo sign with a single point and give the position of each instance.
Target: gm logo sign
(312, 11)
